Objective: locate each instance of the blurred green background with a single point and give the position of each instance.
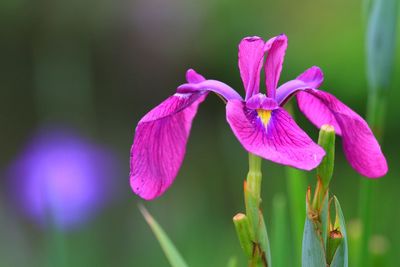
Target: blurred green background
(99, 66)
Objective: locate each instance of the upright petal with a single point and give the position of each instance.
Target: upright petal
(273, 65)
(278, 139)
(251, 54)
(360, 146)
(160, 143)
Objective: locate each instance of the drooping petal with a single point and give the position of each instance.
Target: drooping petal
(279, 139)
(251, 54)
(316, 109)
(160, 143)
(273, 64)
(210, 85)
(360, 146)
(311, 78)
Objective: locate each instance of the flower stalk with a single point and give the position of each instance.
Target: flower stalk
(326, 140)
(252, 193)
(250, 227)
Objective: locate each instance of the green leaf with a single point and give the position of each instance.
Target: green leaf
(324, 217)
(313, 250)
(381, 42)
(366, 6)
(341, 257)
(173, 256)
(296, 185)
(279, 242)
(313, 254)
(264, 240)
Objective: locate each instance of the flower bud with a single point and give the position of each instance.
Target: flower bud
(335, 238)
(242, 226)
(326, 140)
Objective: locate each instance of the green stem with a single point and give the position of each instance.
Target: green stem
(326, 140)
(253, 193)
(254, 176)
(260, 251)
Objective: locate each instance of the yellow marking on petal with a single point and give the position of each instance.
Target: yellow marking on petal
(264, 115)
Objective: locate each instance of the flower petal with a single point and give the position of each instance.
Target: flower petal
(316, 109)
(193, 77)
(281, 140)
(273, 64)
(210, 85)
(360, 146)
(251, 54)
(261, 101)
(311, 78)
(160, 143)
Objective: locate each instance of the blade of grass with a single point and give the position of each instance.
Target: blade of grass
(296, 186)
(313, 254)
(279, 231)
(170, 251)
(342, 254)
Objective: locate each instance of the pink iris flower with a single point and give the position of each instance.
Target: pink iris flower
(258, 121)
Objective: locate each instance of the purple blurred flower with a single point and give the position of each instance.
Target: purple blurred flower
(62, 178)
(259, 122)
